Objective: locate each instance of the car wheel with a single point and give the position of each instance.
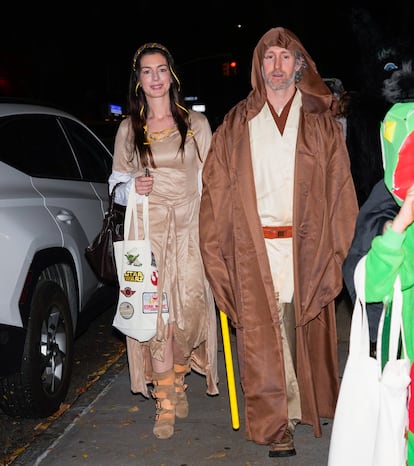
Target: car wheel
(43, 382)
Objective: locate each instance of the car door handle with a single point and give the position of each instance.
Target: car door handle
(64, 216)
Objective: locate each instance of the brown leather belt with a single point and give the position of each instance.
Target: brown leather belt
(277, 232)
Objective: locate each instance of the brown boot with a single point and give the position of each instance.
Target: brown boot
(181, 406)
(283, 448)
(164, 393)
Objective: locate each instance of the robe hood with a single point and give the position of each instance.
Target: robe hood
(311, 82)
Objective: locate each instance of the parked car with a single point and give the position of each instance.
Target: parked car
(53, 196)
(105, 130)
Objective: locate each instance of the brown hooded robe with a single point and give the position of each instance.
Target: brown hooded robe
(236, 261)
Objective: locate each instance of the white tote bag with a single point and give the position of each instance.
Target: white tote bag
(391, 443)
(371, 414)
(139, 310)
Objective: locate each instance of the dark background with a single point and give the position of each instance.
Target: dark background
(79, 58)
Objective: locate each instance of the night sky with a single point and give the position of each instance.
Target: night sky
(80, 60)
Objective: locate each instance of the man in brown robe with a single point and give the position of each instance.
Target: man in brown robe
(277, 218)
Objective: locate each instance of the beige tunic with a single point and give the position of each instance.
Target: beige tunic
(274, 188)
(174, 212)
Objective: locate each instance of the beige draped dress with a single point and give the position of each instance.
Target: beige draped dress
(174, 232)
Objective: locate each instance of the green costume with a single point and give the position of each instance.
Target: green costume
(392, 253)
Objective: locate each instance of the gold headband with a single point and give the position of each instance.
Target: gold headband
(149, 45)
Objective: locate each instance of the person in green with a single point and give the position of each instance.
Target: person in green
(392, 252)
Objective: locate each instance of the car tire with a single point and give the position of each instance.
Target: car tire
(44, 378)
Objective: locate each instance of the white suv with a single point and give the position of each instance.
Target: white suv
(53, 196)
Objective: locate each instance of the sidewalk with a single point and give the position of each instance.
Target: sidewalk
(109, 426)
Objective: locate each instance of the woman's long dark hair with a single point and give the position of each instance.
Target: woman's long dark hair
(138, 106)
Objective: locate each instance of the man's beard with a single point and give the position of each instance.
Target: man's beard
(279, 87)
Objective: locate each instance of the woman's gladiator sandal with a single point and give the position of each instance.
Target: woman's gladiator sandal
(181, 405)
(164, 393)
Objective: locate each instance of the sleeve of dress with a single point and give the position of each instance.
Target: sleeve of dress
(203, 137)
(200, 181)
(121, 194)
(203, 134)
(122, 171)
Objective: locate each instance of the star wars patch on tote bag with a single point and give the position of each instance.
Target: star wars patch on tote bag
(138, 308)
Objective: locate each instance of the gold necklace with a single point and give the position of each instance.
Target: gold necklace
(158, 135)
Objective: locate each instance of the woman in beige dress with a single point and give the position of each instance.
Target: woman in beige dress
(162, 136)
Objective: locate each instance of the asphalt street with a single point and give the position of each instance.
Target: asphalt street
(108, 425)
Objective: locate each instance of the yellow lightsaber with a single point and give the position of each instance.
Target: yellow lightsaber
(229, 371)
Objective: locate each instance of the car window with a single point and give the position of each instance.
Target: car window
(106, 131)
(37, 146)
(93, 159)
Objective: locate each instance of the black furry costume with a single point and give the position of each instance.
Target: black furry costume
(386, 76)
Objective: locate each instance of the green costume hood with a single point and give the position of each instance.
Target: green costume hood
(397, 142)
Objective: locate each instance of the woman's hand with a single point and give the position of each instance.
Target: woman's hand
(144, 184)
